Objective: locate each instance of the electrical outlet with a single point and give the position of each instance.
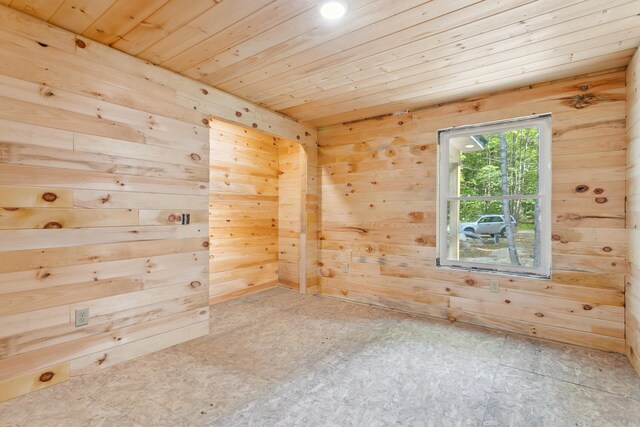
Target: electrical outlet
(345, 267)
(82, 317)
(494, 286)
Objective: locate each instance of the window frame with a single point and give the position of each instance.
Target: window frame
(543, 123)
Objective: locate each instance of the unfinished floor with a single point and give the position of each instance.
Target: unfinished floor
(280, 358)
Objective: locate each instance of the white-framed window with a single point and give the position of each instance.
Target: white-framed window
(494, 203)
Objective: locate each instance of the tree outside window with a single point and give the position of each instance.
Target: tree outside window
(494, 204)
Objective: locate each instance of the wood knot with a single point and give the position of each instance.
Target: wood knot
(254, 125)
(205, 244)
(598, 191)
(582, 188)
(448, 289)
(451, 319)
(105, 199)
(205, 122)
(52, 224)
(195, 284)
(419, 240)
(81, 44)
(601, 200)
(369, 249)
(306, 133)
(587, 307)
(423, 147)
(556, 237)
(43, 44)
(470, 282)
(416, 216)
(46, 377)
(204, 91)
(507, 301)
(238, 114)
(196, 157)
(583, 101)
(539, 315)
(607, 249)
(344, 293)
(43, 275)
(298, 137)
(102, 359)
(49, 197)
(584, 88)
(172, 218)
(400, 123)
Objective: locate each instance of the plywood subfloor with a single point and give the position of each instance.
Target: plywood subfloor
(279, 358)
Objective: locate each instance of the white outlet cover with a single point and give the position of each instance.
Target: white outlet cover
(82, 317)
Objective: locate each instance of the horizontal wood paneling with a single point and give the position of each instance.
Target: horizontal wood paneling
(100, 155)
(378, 216)
(289, 214)
(243, 212)
(633, 212)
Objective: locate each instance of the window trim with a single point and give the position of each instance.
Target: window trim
(543, 122)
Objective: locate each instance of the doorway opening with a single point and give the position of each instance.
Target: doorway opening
(257, 213)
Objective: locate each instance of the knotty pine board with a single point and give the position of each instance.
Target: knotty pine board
(243, 211)
(100, 154)
(632, 295)
(378, 213)
(289, 215)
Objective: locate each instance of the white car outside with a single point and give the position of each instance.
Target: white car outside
(487, 225)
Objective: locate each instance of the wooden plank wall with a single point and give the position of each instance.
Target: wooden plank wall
(289, 214)
(310, 227)
(243, 211)
(378, 215)
(100, 154)
(299, 217)
(633, 211)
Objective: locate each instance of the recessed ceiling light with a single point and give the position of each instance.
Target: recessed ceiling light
(334, 9)
(469, 146)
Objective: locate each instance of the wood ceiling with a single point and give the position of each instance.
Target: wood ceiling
(385, 56)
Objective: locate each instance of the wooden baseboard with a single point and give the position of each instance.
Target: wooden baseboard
(289, 284)
(314, 290)
(493, 323)
(242, 292)
(33, 381)
(633, 341)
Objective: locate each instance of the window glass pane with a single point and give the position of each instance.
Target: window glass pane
(477, 162)
(471, 238)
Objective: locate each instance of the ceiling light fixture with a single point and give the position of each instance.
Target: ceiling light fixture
(469, 146)
(334, 9)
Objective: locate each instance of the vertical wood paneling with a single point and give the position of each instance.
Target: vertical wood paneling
(243, 211)
(378, 215)
(632, 295)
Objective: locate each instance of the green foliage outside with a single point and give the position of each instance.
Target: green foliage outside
(480, 176)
